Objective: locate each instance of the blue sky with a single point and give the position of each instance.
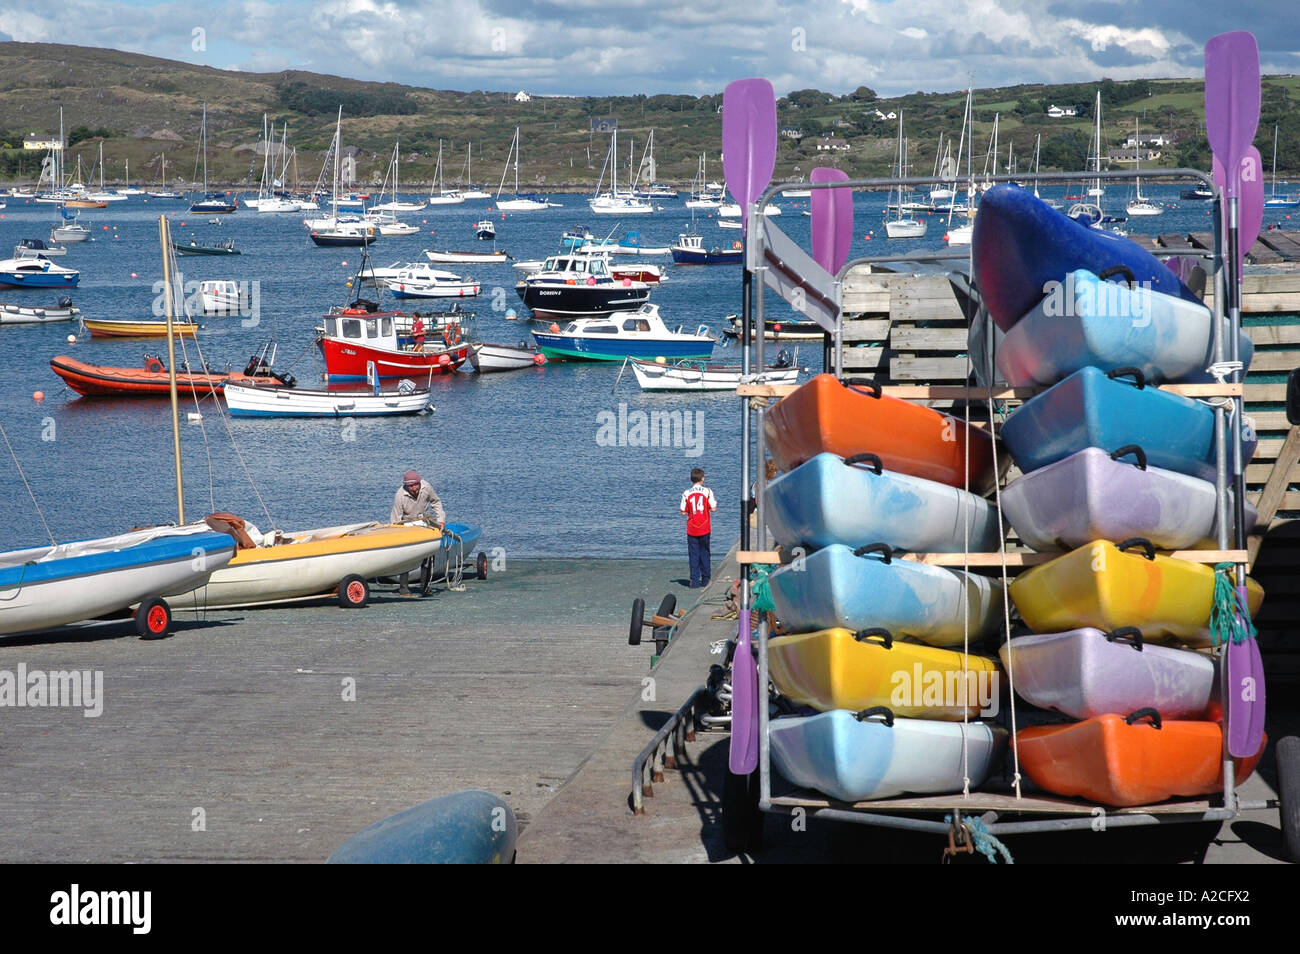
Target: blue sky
(595, 47)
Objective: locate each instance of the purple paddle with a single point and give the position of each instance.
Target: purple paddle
(1250, 201)
(1232, 93)
(748, 160)
(832, 220)
(748, 140)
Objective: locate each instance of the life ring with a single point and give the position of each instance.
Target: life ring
(736, 245)
(452, 335)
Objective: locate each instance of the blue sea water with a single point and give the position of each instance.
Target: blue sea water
(518, 453)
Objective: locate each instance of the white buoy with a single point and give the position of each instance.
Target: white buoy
(72, 339)
(194, 417)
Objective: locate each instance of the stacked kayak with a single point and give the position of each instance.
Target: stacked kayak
(853, 417)
(1114, 469)
(869, 477)
(1130, 760)
(829, 499)
(872, 754)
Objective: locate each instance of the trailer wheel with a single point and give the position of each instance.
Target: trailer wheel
(638, 615)
(1287, 754)
(153, 618)
(668, 605)
(354, 592)
(481, 565)
(742, 822)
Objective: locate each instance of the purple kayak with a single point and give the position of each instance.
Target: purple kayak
(1086, 673)
(1092, 495)
(1020, 246)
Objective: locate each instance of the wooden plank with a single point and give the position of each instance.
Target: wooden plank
(1175, 241)
(1281, 242)
(1259, 473)
(1268, 393)
(1276, 485)
(1200, 240)
(1274, 334)
(870, 329)
(926, 310)
(929, 339)
(1274, 361)
(929, 369)
(858, 358)
(1270, 420)
(1261, 254)
(1146, 241)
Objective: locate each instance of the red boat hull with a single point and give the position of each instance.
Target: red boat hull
(94, 380)
(347, 359)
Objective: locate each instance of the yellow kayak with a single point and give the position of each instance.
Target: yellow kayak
(838, 669)
(1102, 586)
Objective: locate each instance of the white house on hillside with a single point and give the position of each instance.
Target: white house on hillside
(522, 97)
(1056, 112)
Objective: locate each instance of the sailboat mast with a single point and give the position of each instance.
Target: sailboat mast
(164, 237)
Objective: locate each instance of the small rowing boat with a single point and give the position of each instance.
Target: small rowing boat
(128, 328)
(487, 358)
(694, 375)
(247, 400)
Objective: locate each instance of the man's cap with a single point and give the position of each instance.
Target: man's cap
(410, 477)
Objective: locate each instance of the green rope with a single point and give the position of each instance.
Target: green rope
(1229, 619)
(760, 589)
(986, 843)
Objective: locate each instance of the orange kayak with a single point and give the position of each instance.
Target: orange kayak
(1114, 762)
(825, 415)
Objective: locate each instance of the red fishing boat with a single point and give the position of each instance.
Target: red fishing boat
(152, 380)
(360, 334)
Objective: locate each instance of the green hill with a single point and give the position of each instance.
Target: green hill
(143, 107)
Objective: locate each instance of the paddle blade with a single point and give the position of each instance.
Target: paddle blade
(1231, 97)
(748, 140)
(1249, 183)
(832, 220)
(1244, 709)
(743, 758)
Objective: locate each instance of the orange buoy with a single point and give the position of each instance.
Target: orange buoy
(555, 328)
(38, 395)
(134, 275)
(539, 358)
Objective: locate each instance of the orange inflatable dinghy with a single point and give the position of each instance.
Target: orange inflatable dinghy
(854, 418)
(1127, 761)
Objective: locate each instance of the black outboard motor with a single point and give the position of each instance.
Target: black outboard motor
(783, 359)
(65, 302)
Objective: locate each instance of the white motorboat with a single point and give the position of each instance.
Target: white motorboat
(35, 248)
(630, 244)
(448, 257)
(29, 315)
(635, 334)
(701, 376)
(422, 281)
(487, 358)
(485, 229)
(50, 586)
(731, 210)
(37, 272)
(253, 401)
(220, 298)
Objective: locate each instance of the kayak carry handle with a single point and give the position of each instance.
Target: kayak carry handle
(1142, 542)
(1139, 379)
(873, 459)
(1119, 270)
(857, 384)
(866, 714)
(1148, 713)
(882, 548)
(863, 635)
(1126, 634)
(1136, 451)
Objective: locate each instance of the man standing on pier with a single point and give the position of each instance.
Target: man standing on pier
(415, 499)
(697, 503)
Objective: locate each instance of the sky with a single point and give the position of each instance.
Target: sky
(620, 47)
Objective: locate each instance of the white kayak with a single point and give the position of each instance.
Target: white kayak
(854, 757)
(1086, 673)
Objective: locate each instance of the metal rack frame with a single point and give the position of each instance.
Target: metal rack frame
(773, 263)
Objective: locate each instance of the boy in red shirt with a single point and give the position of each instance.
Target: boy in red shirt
(697, 503)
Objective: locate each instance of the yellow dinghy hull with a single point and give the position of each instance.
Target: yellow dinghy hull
(312, 563)
(838, 669)
(1102, 586)
(119, 328)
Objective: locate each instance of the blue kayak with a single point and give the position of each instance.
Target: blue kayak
(868, 588)
(1020, 245)
(828, 500)
(1084, 321)
(1092, 409)
(464, 828)
(852, 757)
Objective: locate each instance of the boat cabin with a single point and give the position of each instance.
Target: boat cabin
(576, 268)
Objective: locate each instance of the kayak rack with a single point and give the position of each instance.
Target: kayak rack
(777, 262)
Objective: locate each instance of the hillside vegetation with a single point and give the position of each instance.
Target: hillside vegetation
(141, 107)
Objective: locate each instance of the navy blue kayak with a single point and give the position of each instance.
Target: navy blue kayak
(1020, 246)
(464, 828)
